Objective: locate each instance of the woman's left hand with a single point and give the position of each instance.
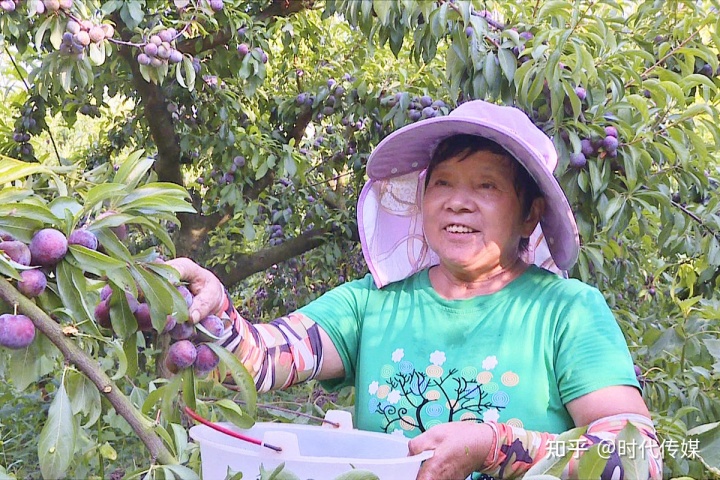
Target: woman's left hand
(459, 450)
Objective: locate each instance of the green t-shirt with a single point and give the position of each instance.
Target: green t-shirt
(515, 356)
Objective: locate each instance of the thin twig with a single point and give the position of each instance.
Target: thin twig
(27, 87)
(281, 409)
(697, 219)
(670, 53)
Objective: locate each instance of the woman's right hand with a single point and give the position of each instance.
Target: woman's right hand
(208, 292)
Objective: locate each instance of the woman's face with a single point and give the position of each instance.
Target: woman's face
(472, 215)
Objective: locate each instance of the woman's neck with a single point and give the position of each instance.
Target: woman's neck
(455, 287)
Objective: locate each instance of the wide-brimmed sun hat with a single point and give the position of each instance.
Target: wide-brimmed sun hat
(389, 207)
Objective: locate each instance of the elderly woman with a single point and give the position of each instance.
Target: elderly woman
(457, 338)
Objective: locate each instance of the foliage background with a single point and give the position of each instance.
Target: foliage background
(280, 229)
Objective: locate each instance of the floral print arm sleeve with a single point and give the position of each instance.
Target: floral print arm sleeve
(278, 354)
(516, 449)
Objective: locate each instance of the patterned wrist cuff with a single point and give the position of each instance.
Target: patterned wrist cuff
(230, 338)
(494, 453)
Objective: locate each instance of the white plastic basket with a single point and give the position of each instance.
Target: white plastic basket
(310, 452)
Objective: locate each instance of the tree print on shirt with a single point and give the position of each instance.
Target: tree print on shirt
(412, 399)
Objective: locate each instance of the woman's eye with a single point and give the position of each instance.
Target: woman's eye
(487, 185)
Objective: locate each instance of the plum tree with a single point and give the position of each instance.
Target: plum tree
(16, 331)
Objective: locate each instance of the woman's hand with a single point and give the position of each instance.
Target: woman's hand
(208, 291)
(460, 448)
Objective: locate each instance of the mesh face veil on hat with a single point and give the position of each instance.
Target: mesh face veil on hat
(389, 217)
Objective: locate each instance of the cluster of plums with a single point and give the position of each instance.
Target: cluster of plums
(159, 49)
(593, 146)
(46, 248)
(189, 348)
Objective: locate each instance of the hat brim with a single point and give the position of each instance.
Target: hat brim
(411, 148)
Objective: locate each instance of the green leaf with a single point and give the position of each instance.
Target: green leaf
(12, 170)
(8, 268)
(154, 396)
(122, 317)
(71, 288)
(4, 475)
(119, 351)
(30, 212)
(25, 366)
(713, 347)
(91, 260)
(97, 53)
(159, 203)
(707, 437)
(234, 414)
(44, 26)
(162, 297)
(382, 10)
(56, 445)
(84, 397)
(557, 459)
(110, 242)
(14, 195)
(508, 63)
(60, 206)
(108, 452)
(133, 169)
(694, 110)
(155, 189)
(289, 164)
(189, 70)
(99, 193)
(181, 472)
(357, 475)
(634, 452)
(188, 387)
(243, 379)
(130, 353)
(279, 473)
(592, 462)
(170, 396)
(180, 440)
(555, 7)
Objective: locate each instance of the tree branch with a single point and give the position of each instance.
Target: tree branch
(88, 366)
(192, 47)
(247, 264)
(278, 8)
(284, 8)
(159, 119)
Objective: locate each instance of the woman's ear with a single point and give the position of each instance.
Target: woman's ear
(533, 218)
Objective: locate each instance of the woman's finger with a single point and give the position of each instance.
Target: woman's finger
(208, 292)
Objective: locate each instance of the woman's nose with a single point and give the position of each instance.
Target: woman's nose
(459, 200)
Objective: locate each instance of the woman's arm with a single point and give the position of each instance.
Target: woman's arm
(503, 451)
(278, 354)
